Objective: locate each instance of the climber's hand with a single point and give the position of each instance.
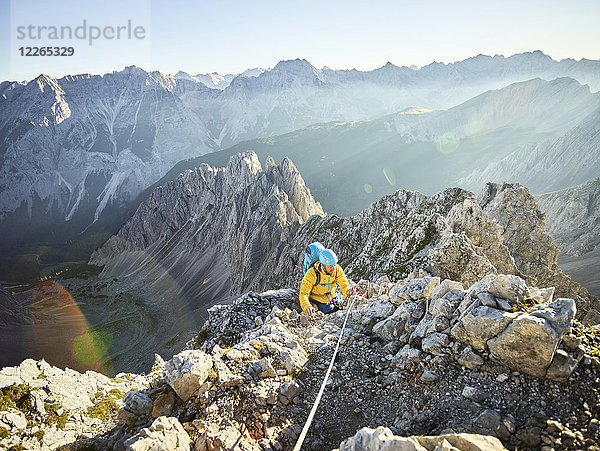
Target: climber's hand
(310, 311)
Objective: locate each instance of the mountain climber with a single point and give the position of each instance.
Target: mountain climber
(318, 287)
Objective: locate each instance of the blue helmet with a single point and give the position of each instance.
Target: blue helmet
(328, 257)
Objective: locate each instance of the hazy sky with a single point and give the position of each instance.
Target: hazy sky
(231, 36)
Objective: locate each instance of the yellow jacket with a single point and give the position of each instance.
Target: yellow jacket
(322, 293)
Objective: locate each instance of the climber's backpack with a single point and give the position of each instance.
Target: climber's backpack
(311, 256)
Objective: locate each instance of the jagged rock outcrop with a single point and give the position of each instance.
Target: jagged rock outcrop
(165, 433)
(212, 219)
(453, 235)
(573, 222)
(44, 407)
(382, 438)
(258, 227)
(573, 217)
(264, 362)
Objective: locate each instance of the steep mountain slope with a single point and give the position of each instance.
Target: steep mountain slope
(351, 164)
(452, 234)
(235, 215)
(552, 164)
(460, 329)
(156, 293)
(573, 222)
(75, 147)
(419, 360)
(127, 128)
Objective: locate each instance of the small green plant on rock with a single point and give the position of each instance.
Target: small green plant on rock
(104, 408)
(39, 435)
(201, 337)
(115, 393)
(16, 397)
(54, 417)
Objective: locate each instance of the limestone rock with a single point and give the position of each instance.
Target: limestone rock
(480, 325)
(224, 376)
(262, 368)
(415, 289)
(13, 420)
(469, 359)
(374, 312)
(435, 343)
(442, 307)
(367, 439)
(212, 437)
(406, 356)
(445, 286)
(389, 328)
(290, 390)
(505, 286)
(165, 433)
(527, 344)
(474, 394)
(138, 402)
(562, 367)
(559, 314)
(187, 371)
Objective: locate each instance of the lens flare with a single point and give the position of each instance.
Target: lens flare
(447, 143)
(389, 175)
(91, 347)
(475, 127)
(63, 334)
(368, 188)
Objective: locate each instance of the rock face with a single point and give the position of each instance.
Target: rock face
(573, 217)
(573, 222)
(44, 407)
(187, 371)
(164, 433)
(258, 229)
(252, 383)
(382, 438)
(212, 220)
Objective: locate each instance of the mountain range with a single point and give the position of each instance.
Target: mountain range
(77, 153)
(350, 164)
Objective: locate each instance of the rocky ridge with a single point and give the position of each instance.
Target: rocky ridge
(418, 357)
(453, 234)
(99, 141)
(573, 223)
(236, 214)
(43, 407)
(572, 217)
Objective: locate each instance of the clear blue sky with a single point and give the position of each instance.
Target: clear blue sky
(231, 36)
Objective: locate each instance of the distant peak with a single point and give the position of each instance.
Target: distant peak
(294, 63)
(133, 68)
(43, 80)
(44, 77)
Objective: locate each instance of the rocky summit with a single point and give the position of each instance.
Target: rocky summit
(424, 364)
(257, 228)
(465, 335)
